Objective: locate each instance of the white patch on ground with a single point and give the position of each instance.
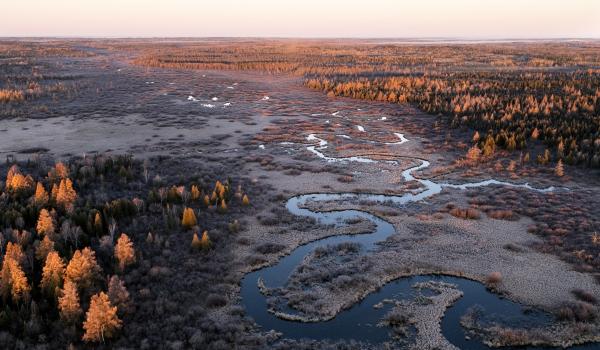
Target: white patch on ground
(227, 104)
(261, 146)
(215, 98)
(401, 137)
(266, 98)
(383, 118)
(192, 98)
(360, 128)
(230, 87)
(344, 136)
(335, 114)
(208, 105)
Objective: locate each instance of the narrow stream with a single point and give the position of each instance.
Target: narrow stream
(359, 322)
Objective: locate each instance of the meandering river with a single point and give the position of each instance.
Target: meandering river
(359, 322)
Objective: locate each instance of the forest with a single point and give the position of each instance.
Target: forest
(72, 236)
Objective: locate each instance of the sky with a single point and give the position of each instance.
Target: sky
(476, 19)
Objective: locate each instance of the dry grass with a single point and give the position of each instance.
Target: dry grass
(468, 213)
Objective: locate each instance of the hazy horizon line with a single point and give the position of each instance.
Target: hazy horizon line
(550, 38)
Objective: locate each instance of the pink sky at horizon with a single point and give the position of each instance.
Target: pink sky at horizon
(475, 19)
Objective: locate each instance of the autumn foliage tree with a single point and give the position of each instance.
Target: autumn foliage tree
(195, 193)
(189, 218)
(13, 281)
(101, 320)
(559, 169)
(68, 303)
(41, 196)
(98, 223)
(83, 269)
(45, 223)
(52, 274)
(18, 281)
(205, 242)
(66, 195)
(16, 182)
(124, 252)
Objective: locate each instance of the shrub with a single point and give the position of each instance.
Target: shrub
(215, 300)
(468, 213)
(501, 214)
(584, 296)
(494, 279)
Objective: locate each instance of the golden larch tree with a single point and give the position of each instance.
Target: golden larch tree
(45, 223)
(19, 286)
(559, 170)
(101, 320)
(189, 218)
(196, 243)
(66, 195)
(16, 181)
(61, 170)
(98, 223)
(13, 281)
(68, 303)
(83, 269)
(52, 274)
(54, 192)
(14, 251)
(205, 242)
(41, 196)
(245, 200)
(124, 252)
(11, 173)
(223, 206)
(195, 193)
